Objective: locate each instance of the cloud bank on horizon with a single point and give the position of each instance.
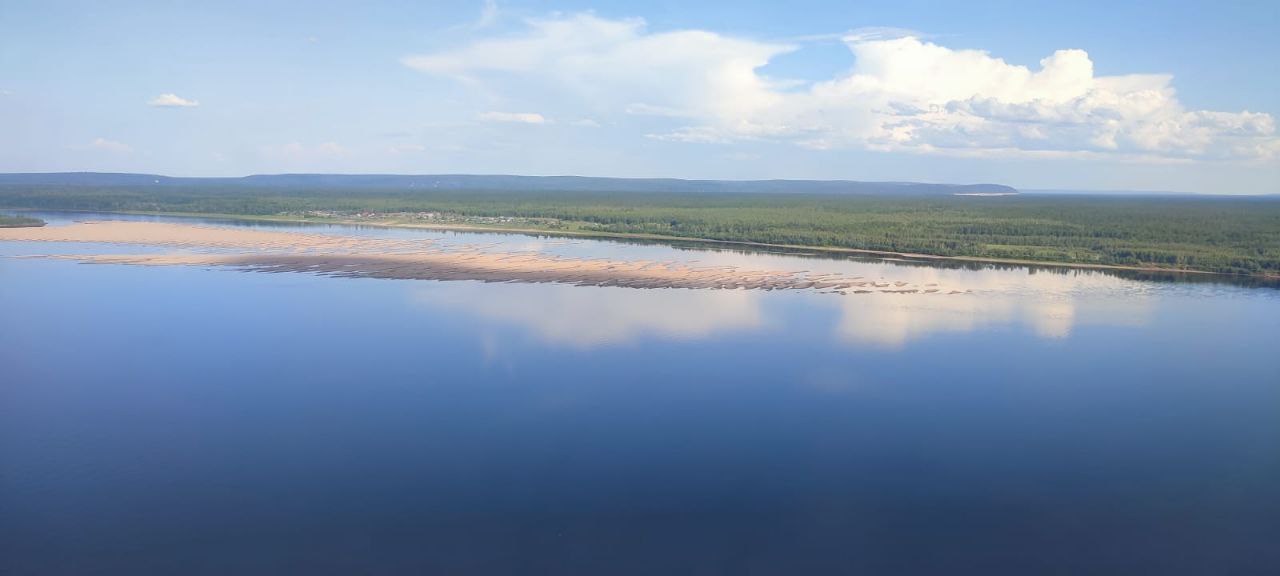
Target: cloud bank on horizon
(903, 93)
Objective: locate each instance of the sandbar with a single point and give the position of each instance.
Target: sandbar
(348, 256)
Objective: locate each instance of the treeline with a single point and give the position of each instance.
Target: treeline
(10, 221)
(1233, 235)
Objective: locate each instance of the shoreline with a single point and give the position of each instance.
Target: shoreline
(264, 250)
(675, 239)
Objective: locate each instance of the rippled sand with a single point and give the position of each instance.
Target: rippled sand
(282, 251)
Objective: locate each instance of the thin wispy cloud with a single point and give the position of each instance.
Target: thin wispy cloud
(870, 33)
(111, 146)
(865, 33)
(488, 15)
(170, 100)
(515, 117)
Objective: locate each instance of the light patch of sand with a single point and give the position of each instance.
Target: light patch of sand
(199, 236)
(282, 251)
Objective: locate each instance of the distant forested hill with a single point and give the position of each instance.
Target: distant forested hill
(497, 183)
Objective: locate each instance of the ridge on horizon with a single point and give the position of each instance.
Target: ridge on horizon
(499, 182)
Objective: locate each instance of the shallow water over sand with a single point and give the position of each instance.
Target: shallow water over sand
(199, 419)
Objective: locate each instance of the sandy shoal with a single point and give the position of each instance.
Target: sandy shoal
(283, 251)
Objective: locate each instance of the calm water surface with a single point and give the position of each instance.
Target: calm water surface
(175, 420)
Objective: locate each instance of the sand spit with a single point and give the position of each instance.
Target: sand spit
(345, 256)
(197, 236)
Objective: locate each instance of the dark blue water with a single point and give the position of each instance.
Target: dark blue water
(175, 420)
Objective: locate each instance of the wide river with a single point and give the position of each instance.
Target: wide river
(205, 420)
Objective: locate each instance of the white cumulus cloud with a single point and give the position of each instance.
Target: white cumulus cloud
(616, 64)
(172, 101)
(901, 93)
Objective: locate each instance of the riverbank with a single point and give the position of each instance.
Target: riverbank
(1233, 236)
(425, 259)
(669, 239)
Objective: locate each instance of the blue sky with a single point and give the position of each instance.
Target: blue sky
(1088, 95)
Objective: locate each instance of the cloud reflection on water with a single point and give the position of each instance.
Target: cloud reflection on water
(1049, 304)
(589, 317)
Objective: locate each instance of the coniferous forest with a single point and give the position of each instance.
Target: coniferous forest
(1239, 235)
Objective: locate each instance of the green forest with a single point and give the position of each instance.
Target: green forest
(11, 221)
(1237, 235)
